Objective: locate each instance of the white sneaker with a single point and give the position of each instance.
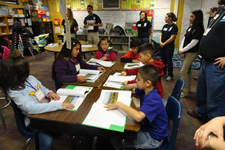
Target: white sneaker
(169, 78)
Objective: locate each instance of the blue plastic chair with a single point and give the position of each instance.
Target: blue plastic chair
(179, 86)
(25, 131)
(174, 112)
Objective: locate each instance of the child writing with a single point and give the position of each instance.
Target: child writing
(146, 54)
(132, 55)
(153, 122)
(28, 94)
(104, 52)
(68, 64)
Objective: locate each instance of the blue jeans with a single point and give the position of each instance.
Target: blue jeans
(142, 141)
(45, 141)
(211, 91)
(144, 40)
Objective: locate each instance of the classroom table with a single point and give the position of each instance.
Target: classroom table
(85, 48)
(70, 122)
(118, 66)
(98, 83)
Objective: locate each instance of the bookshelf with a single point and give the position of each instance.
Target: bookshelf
(6, 23)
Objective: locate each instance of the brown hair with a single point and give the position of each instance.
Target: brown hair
(173, 16)
(70, 18)
(145, 14)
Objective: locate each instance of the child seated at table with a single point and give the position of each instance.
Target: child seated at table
(146, 56)
(104, 51)
(28, 94)
(132, 56)
(151, 115)
(68, 64)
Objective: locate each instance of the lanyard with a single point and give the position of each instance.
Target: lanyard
(74, 60)
(216, 20)
(30, 86)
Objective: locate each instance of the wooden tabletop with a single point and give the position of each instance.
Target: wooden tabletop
(118, 67)
(98, 83)
(71, 121)
(57, 48)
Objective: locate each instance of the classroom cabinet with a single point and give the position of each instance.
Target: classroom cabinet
(43, 28)
(6, 23)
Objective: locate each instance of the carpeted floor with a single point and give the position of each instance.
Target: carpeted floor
(41, 66)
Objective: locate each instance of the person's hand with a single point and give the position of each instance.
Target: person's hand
(162, 45)
(220, 61)
(124, 83)
(111, 106)
(103, 58)
(215, 126)
(214, 143)
(81, 78)
(94, 24)
(53, 96)
(123, 73)
(135, 61)
(67, 106)
(101, 69)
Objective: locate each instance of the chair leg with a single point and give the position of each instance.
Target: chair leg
(3, 121)
(36, 140)
(123, 144)
(26, 143)
(94, 142)
(73, 141)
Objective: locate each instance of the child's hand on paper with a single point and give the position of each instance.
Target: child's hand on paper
(102, 69)
(124, 83)
(53, 96)
(111, 106)
(135, 61)
(67, 106)
(103, 58)
(81, 78)
(123, 73)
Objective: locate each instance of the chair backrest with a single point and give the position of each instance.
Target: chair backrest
(26, 132)
(179, 86)
(174, 112)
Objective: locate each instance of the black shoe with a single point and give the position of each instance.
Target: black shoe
(192, 113)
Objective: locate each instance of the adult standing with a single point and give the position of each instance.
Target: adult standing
(73, 23)
(190, 46)
(144, 28)
(92, 22)
(166, 40)
(211, 80)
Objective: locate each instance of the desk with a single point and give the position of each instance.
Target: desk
(57, 48)
(98, 83)
(118, 67)
(70, 122)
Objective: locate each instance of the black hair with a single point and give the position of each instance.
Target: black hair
(66, 53)
(90, 6)
(173, 16)
(146, 48)
(221, 2)
(198, 21)
(135, 42)
(149, 72)
(102, 39)
(14, 73)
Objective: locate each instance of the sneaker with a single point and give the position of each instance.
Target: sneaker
(169, 78)
(183, 94)
(192, 113)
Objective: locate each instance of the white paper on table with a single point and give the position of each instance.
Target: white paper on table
(86, 46)
(133, 65)
(91, 75)
(94, 61)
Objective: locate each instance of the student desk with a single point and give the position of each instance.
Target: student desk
(70, 122)
(98, 83)
(57, 48)
(118, 66)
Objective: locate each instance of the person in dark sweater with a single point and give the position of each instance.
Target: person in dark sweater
(68, 64)
(132, 56)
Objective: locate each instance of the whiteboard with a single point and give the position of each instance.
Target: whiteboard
(159, 18)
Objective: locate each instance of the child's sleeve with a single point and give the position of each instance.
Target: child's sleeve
(132, 71)
(111, 57)
(128, 60)
(98, 54)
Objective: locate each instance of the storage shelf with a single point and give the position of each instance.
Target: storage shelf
(3, 25)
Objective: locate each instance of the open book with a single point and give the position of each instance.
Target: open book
(98, 62)
(115, 81)
(113, 119)
(73, 94)
(91, 75)
(133, 65)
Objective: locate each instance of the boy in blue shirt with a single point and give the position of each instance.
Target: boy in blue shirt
(152, 114)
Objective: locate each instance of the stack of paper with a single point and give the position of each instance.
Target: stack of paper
(98, 62)
(91, 75)
(133, 65)
(115, 80)
(113, 119)
(73, 94)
